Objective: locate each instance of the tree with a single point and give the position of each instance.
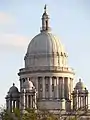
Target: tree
(7, 115)
(29, 114)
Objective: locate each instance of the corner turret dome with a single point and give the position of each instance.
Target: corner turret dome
(28, 85)
(13, 91)
(80, 85)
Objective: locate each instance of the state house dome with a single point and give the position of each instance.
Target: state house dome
(45, 43)
(45, 49)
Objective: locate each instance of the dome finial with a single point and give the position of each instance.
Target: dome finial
(45, 20)
(79, 79)
(13, 84)
(45, 8)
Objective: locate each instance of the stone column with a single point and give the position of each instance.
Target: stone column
(60, 87)
(71, 85)
(77, 100)
(80, 101)
(31, 101)
(63, 95)
(27, 102)
(36, 79)
(50, 87)
(57, 88)
(43, 86)
(87, 101)
(69, 88)
(20, 103)
(7, 104)
(63, 88)
(23, 103)
(35, 104)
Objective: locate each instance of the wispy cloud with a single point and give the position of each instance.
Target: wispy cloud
(7, 38)
(13, 40)
(6, 18)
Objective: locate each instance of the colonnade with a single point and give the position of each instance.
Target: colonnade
(58, 87)
(28, 99)
(80, 99)
(12, 104)
(48, 88)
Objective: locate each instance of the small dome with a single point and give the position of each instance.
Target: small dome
(13, 91)
(28, 85)
(80, 85)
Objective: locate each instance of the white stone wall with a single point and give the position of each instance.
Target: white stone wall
(49, 105)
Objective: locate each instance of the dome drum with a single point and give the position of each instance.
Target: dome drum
(46, 68)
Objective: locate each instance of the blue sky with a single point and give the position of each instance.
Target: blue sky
(20, 21)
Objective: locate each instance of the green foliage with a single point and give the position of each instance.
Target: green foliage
(17, 113)
(29, 114)
(46, 115)
(5, 115)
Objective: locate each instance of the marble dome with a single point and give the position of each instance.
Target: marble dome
(45, 43)
(45, 49)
